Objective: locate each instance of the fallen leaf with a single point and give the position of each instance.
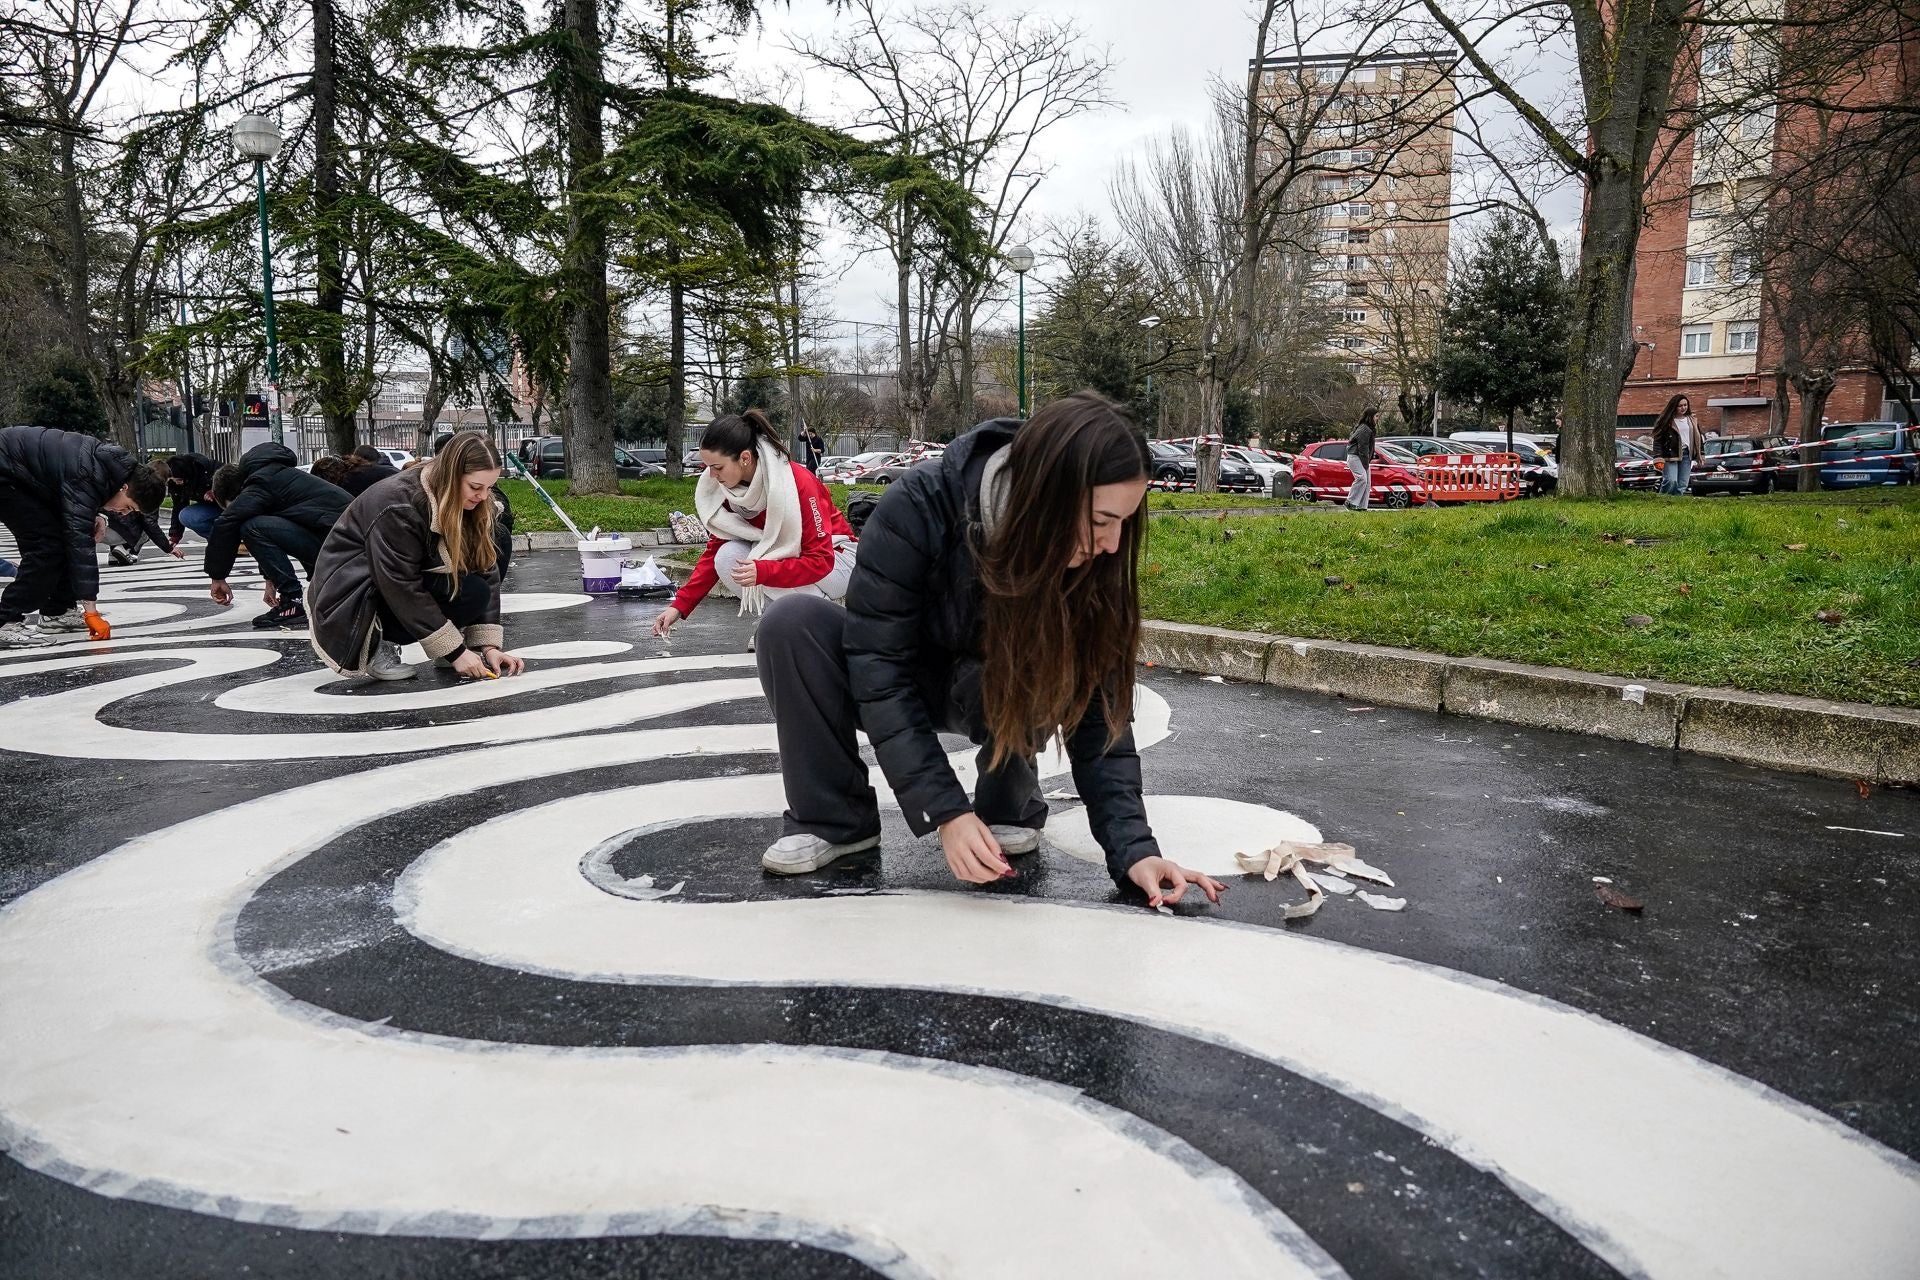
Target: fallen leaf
(1614, 898)
(1686, 588)
(1860, 785)
(1793, 546)
(1832, 617)
(1638, 620)
(1346, 586)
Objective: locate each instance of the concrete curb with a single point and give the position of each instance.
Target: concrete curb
(1799, 735)
(560, 540)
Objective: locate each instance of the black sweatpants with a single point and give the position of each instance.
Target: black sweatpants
(43, 581)
(276, 542)
(463, 610)
(803, 670)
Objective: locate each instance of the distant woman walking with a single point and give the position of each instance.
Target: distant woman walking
(1360, 462)
(1676, 443)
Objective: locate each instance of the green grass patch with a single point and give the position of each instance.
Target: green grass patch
(1180, 501)
(641, 504)
(1551, 581)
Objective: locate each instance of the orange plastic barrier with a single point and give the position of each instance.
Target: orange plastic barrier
(1471, 477)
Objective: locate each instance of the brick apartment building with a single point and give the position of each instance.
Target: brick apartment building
(1382, 185)
(1698, 309)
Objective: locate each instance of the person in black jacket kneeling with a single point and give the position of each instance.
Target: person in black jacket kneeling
(415, 559)
(996, 596)
(283, 515)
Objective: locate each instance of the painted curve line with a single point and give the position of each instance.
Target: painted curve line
(246, 1103)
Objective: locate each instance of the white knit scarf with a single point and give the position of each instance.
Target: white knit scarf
(725, 513)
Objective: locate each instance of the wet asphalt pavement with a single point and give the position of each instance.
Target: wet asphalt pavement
(1776, 944)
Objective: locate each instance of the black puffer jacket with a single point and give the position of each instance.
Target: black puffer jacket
(364, 476)
(73, 473)
(914, 615)
(272, 484)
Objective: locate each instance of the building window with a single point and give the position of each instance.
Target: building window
(1360, 157)
(1354, 317)
(1363, 75)
(1696, 340)
(1702, 272)
(1742, 269)
(1356, 262)
(1707, 201)
(1716, 54)
(1359, 210)
(1359, 236)
(1757, 124)
(1743, 337)
(1356, 288)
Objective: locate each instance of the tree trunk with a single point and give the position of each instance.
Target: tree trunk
(1814, 386)
(903, 274)
(963, 393)
(337, 403)
(431, 402)
(1600, 338)
(583, 269)
(676, 426)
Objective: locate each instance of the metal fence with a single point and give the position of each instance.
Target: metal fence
(308, 438)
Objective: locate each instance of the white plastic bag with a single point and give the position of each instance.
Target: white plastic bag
(645, 578)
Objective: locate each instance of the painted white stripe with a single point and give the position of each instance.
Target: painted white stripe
(66, 723)
(299, 694)
(227, 1097)
(1868, 831)
(1664, 1165)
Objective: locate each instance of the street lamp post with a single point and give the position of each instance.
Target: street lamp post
(1020, 258)
(258, 138)
(1150, 323)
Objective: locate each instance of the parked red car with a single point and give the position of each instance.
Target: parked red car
(1320, 471)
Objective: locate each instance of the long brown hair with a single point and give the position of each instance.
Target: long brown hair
(466, 535)
(1672, 411)
(1054, 637)
(736, 433)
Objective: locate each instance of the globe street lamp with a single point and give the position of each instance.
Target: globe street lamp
(258, 139)
(1020, 258)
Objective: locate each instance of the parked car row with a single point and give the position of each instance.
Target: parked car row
(546, 458)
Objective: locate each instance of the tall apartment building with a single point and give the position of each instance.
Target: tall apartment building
(1375, 135)
(1699, 297)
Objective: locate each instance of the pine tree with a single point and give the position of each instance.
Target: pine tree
(1503, 337)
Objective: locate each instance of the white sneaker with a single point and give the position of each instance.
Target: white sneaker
(71, 620)
(18, 635)
(797, 855)
(385, 664)
(1016, 840)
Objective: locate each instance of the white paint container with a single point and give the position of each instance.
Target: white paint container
(600, 563)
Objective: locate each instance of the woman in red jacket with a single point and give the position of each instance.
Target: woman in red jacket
(774, 529)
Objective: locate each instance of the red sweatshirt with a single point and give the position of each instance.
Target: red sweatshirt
(820, 522)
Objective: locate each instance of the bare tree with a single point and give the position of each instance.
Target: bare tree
(976, 93)
(1410, 298)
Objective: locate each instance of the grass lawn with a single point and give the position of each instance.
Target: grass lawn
(1554, 581)
(642, 504)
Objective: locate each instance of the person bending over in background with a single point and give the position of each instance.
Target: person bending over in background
(283, 514)
(52, 485)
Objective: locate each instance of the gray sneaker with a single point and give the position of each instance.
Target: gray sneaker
(1016, 840)
(797, 855)
(18, 635)
(385, 664)
(71, 620)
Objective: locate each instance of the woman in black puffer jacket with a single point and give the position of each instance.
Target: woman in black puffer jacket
(996, 597)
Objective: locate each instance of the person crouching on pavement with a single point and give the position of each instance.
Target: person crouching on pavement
(52, 485)
(996, 596)
(283, 514)
(414, 559)
(774, 529)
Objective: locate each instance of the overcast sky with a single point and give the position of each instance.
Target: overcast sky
(1163, 54)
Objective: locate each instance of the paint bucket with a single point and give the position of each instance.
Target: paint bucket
(600, 563)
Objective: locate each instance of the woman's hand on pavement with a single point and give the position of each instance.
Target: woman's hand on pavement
(747, 573)
(664, 623)
(1166, 881)
(973, 855)
(471, 665)
(502, 662)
